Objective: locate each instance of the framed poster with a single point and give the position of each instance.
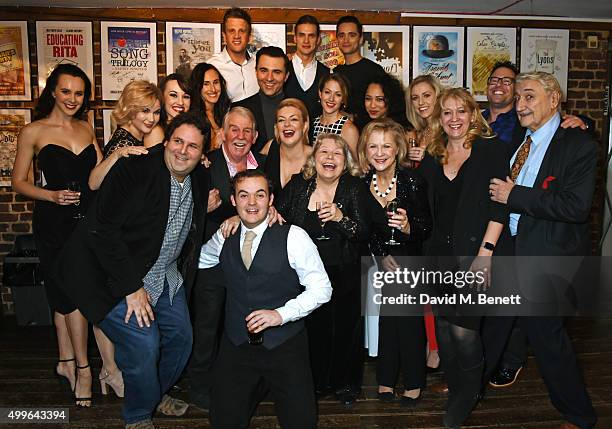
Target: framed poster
(128, 52)
(328, 51)
(267, 35)
(11, 123)
(438, 51)
(14, 61)
(388, 45)
(108, 125)
(63, 42)
(485, 47)
(189, 44)
(546, 50)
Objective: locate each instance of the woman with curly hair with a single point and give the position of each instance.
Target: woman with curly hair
(423, 92)
(384, 98)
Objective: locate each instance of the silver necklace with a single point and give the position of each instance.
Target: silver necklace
(389, 188)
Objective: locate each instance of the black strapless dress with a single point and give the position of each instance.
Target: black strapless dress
(53, 223)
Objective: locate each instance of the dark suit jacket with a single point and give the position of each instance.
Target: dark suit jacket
(554, 217)
(220, 179)
(487, 160)
(253, 103)
(118, 242)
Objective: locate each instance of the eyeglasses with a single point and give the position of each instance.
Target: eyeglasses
(506, 81)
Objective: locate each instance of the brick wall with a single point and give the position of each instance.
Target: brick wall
(587, 76)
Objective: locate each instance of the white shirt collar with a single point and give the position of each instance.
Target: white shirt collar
(227, 59)
(258, 230)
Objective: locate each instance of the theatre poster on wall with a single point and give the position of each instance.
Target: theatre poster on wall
(128, 52)
(11, 123)
(438, 51)
(63, 42)
(328, 51)
(485, 47)
(267, 35)
(388, 45)
(14, 61)
(189, 44)
(546, 50)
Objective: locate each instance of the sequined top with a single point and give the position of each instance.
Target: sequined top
(411, 194)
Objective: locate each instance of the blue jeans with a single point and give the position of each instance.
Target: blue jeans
(151, 358)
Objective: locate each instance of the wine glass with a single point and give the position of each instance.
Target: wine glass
(75, 186)
(412, 143)
(391, 210)
(319, 206)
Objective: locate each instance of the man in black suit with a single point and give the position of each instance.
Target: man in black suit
(121, 266)
(305, 72)
(272, 70)
(274, 278)
(549, 195)
(239, 134)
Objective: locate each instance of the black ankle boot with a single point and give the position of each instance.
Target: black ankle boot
(464, 399)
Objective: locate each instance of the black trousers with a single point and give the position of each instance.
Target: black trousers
(239, 372)
(207, 301)
(335, 333)
(401, 344)
(556, 360)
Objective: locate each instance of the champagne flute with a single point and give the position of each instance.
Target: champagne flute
(75, 186)
(391, 210)
(319, 206)
(412, 143)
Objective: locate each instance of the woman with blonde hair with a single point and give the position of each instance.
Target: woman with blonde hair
(462, 158)
(286, 154)
(136, 114)
(333, 206)
(422, 94)
(390, 178)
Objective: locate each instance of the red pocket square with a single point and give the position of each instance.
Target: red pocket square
(547, 181)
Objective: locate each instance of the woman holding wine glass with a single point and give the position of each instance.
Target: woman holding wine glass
(334, 207)
(402, 193)
(65, 145)
(460, 162)
(423, 93)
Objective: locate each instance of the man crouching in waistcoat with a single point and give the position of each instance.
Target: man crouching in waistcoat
(274, 277)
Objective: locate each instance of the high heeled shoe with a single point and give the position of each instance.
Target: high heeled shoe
(84, 399)
(115, 381)
(64, 377)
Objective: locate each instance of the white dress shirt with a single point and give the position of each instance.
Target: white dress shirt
(304, 74)
(303, 258)
(240, 79)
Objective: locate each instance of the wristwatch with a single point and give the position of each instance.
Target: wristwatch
(488, 245)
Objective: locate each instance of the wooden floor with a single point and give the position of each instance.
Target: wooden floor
(28, 355)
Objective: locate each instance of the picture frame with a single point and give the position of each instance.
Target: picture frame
(15, 78)
(190, 43)
(438, 51)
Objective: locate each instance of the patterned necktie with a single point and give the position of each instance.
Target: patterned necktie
(246, 248)
(521, 157)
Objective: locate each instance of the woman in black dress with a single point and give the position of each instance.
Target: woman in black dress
(389, 176)
(460, 163)
(136, 114)
(286, 154)
(65, 145)
(333, 206)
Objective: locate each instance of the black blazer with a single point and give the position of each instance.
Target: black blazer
(489, 159)
(220, 179)
(119, 240)
(554, 216)
(253, 103)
